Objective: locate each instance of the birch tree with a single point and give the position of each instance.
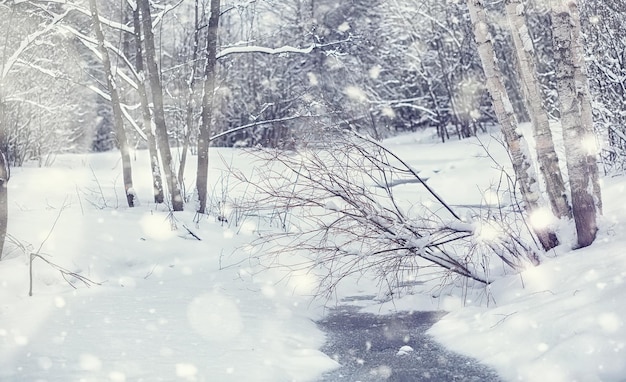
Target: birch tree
(4, 179)
(516, 144)
(207, 106)
(544, 144)
(190, 103)
(575, 117)
(156, 88)
(118, 117)
(157, 181)
(577, 122)
(605, 46)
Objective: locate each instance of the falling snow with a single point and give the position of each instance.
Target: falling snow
(170, 306)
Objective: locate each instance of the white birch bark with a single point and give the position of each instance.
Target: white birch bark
(584, 94)
(516, 145)
(4, 177)
(577, 124)
(154, 79)
(546, 154)
(118, 117)
(204, 135)
(142, 89)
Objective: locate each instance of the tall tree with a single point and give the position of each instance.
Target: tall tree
(157, 181)
(118, 118)
(546, 154)
(156, 88)
(4, 177)
(207, 106)
(190, 103)
(575, 115)
(24, 31)
(577, 122)
(516, 144)
(605, 45)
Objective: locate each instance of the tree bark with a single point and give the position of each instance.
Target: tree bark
(546, 154)
(191, 84)
(4, 177)
(154, 75)
(577, 124)
(118, 117)
(207, 106)
(516, 145)
(584, 94)
(157, 181)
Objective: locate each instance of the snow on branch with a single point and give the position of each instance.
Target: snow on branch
(157, 18)
(41, 69)
(72, 6)
(124, 108)
(30, 102)
(91, 44)
(132, 122)
(267, 50)
(259, 123)
(28, 41)
(405, 102)
(351, 221)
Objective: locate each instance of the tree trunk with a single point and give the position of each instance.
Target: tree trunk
(118, 118)
(154, 75)
(157, 181)
(207, 106)
(4, 177)
(546, 154)
(577, 125)
(584, 94)
(191, 84)
(517, 146)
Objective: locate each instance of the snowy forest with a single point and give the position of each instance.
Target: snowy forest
(457, 156)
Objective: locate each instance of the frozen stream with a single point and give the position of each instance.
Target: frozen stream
(368, 347)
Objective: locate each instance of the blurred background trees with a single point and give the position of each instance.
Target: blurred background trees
(381, 68)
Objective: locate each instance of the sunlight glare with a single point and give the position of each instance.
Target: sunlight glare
(487, 232)
(491, 198)
(590, 144)
(117, 376)
(186, 370)
(355, 93)
(541, 218)
(302, 282)
(388, 112)
(313, 81)
(90, 362)
(374, 71)
(343, 28)
(610, 322)
(156, 227)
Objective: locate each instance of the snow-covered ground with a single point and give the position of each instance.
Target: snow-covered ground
(561, 321)
(170, 307)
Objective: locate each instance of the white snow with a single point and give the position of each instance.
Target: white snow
(404, 350)
(355, 93)
(374, 71)
(560, 321)
(344, 27)
(170, 307)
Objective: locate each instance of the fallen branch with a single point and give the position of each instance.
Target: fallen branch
(65, 273)
(191, 233)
